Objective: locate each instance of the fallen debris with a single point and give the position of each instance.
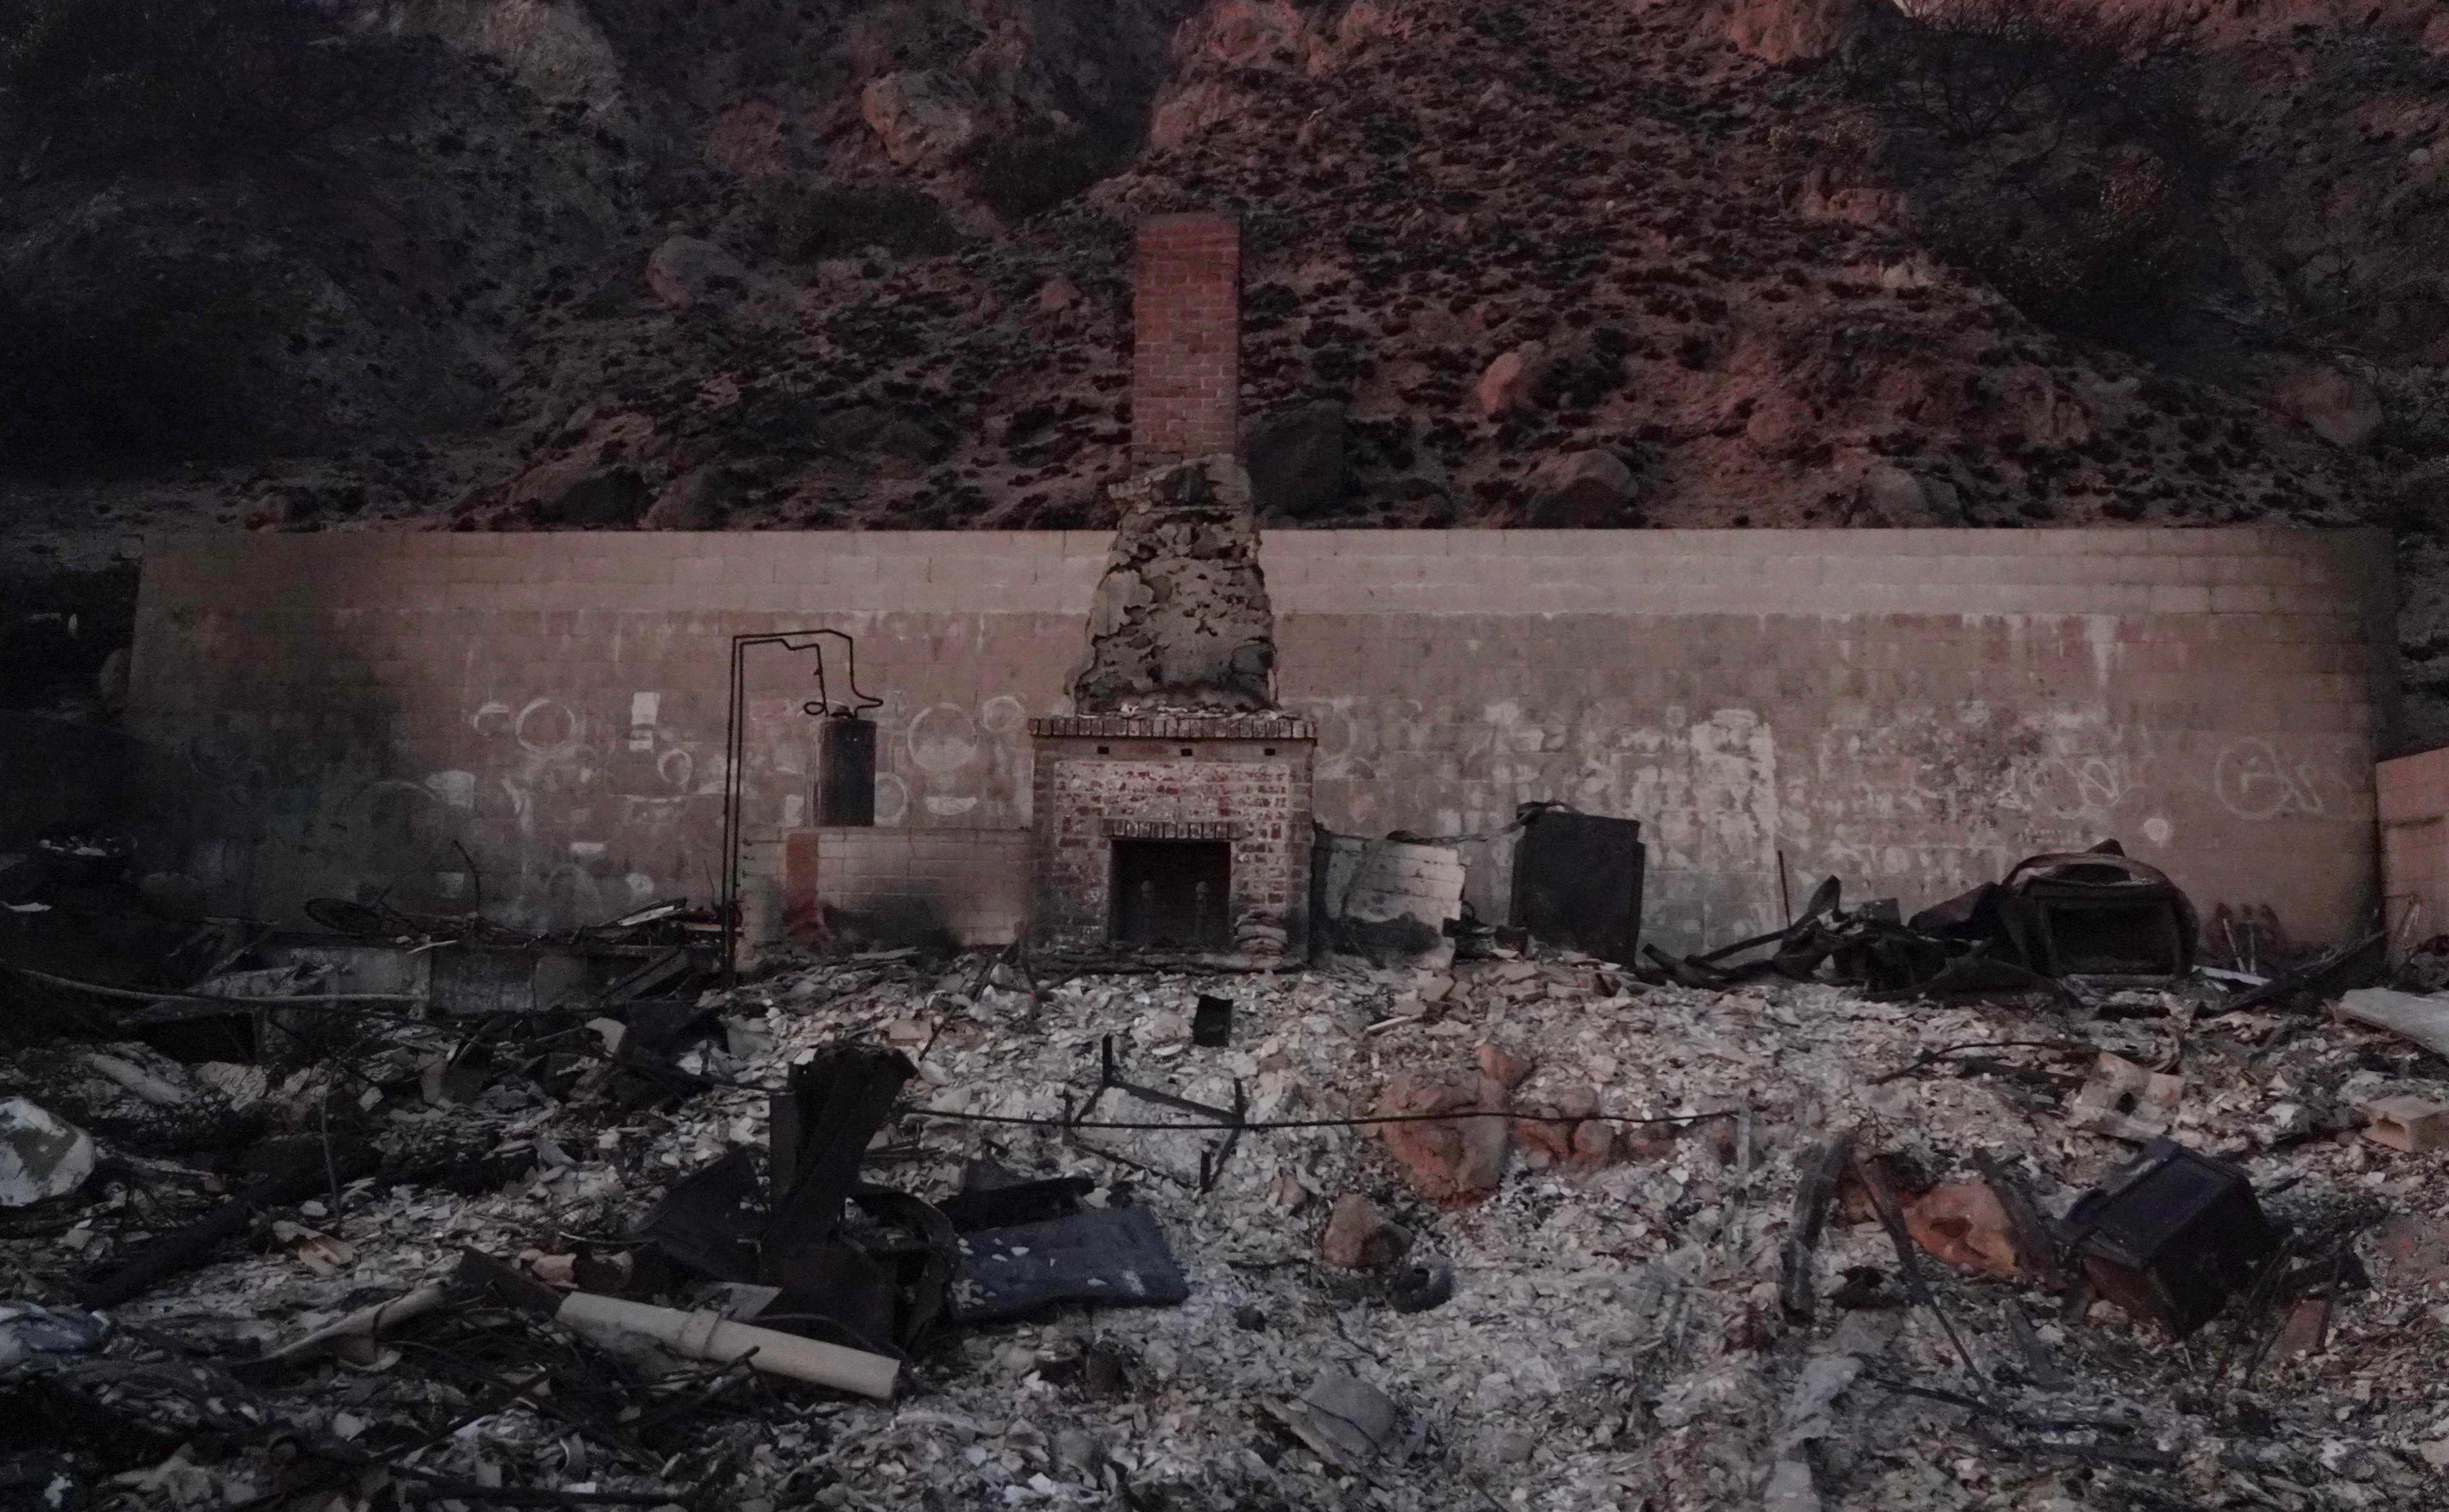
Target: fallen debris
(1348, 1422)
(1358, 1238)
(2125, 1101)
(707, 1335)
(365, 1323)
(2172, 1236)
(27, 1329)
(300, 1169)
(41, 1156)
(1966, 1225)
(1110, 1257)
(2411, 1124)
(2424, 1019)
(1814, 1191)
(1427, 1282)
(1591, 1333)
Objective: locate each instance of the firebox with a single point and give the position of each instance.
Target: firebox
(1173, 895)
(1172, 837)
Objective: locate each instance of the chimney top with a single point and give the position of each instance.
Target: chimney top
(1187, 339)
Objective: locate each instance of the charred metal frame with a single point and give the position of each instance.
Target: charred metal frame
(1211, 1162)
(735, 741)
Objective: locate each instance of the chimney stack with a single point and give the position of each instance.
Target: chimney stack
(1187, 342)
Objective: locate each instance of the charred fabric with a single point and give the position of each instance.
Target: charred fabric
(413, 1210)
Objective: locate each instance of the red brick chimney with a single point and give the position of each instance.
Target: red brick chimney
(1186, 343)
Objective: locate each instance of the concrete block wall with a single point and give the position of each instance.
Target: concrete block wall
(901, 884)
(1910, 710)
(1389, 902)
(1187, 339)
(2413, 793)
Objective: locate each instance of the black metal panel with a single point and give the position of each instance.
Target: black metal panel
(1577, 884)
(846, 772)
(1176, 894)
(2173, 1236)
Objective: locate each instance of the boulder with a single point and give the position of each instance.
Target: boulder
(1578, 490)
(1510, 383)
(699, 501)
(852, 430)
(1358, 1238)
(1892, 496)
(1057, 296)
(1295, 458)
(2335, 405)
(1793, 30)
(1190, 114)
(749, 139)
(687, 270)
(609, 497)
(923, 119)
(1253, 35)
(904, 437)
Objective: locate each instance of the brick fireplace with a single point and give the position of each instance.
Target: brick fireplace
(1171, 807)
(1177, 836)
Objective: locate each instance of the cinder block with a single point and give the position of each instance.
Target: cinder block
(2412, 1124)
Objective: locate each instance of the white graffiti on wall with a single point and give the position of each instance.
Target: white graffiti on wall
(2254, 780)
(589, 807)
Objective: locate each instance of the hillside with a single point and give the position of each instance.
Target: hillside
(1778, 262)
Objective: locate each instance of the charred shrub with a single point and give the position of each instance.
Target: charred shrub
(153, 377)
(813, 221)
(2057, 153)
(170, 84)
(1026, 175)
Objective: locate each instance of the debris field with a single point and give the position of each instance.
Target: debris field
(1633, 1245)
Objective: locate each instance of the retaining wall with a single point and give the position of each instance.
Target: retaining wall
(1911, 710)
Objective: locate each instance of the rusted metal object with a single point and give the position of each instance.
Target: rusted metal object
(2172, 1236)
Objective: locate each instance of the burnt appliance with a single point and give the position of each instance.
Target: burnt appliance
(845, 771)
(2096, 912)
(2172, 1236)
(2100, 913)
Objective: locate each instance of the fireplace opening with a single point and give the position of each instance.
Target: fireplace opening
(1173, 894)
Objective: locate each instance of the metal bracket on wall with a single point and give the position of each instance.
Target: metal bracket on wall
(1211, 1161)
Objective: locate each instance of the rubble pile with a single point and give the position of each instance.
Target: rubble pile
(1638, 1244)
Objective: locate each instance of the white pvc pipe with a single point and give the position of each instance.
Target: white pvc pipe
(712, 1337)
